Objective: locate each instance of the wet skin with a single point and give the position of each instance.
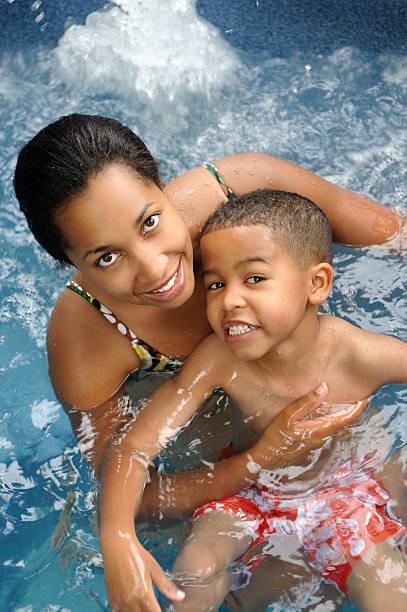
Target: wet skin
(256, 300)
(127, 239)
(127, 256)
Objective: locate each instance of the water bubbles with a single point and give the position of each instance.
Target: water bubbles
(40, 16)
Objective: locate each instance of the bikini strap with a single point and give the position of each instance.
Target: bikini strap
(215, 173)
(149, 357)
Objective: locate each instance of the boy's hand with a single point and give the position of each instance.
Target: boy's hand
(291, 434)
(130, 572)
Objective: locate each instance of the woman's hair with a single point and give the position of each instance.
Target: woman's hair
(57, 163)
(298, 225)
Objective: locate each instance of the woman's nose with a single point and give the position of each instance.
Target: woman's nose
(151, 267)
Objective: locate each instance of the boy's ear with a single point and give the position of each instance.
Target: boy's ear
(322, 275)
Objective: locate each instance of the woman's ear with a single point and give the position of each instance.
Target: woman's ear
(321, 282)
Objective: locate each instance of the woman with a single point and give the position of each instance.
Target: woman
(93, 198)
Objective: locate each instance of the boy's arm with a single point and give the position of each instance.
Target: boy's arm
(384, 359)
(129, 570)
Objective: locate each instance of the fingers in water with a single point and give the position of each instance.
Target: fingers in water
(330, 423)
(306, 404)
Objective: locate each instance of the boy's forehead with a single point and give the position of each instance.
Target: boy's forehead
(239, 243)
(244, 234)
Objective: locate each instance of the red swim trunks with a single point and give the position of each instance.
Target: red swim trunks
(335, 525)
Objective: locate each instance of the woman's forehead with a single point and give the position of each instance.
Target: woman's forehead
(112, 201)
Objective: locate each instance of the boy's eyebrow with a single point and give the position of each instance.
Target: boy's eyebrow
(106, 247)
(242, 262)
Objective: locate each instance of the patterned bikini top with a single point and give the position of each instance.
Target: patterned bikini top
(151, 359)
(215, 173)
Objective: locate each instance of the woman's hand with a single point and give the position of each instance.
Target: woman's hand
(292, 433)
(130, 572)
(289, 436)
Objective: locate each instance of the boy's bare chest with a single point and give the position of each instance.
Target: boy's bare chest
(261, 400)
(258, 406)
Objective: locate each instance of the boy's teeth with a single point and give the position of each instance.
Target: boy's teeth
(168, 285)
(235, 330)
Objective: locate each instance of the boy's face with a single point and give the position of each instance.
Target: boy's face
(257, 295)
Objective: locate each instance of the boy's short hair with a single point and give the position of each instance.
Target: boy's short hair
(298, 225)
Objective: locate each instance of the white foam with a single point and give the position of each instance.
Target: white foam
(149, 50)
(44, 413)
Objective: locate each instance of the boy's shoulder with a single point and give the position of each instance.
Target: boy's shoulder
(377, 358)
(339, 328)
(344, 340)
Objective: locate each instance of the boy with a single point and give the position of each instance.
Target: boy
(267, 267)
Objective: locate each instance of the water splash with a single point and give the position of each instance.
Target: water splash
(145, 52)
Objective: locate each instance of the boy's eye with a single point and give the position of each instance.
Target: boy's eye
(215, 285)
(254, 279)
(151, 222)
(107, 260)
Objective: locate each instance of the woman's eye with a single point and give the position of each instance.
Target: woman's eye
(254, 279)
(151, 222)
(214, 286)
(107, 260)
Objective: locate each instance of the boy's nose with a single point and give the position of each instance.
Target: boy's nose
(233, 299)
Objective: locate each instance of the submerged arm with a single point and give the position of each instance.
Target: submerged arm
(285, 441)
(129, 570)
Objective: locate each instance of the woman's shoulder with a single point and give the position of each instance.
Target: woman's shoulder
(88, 359)
(197, 192)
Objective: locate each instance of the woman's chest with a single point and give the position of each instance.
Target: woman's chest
(172, 332)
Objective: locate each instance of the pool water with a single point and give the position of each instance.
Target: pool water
(322, 84)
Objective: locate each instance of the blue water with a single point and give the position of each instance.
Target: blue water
(320, 83)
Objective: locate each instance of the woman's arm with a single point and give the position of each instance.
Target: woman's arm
(356, 220)
(285, 441)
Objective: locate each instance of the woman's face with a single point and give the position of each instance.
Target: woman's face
(127, 238)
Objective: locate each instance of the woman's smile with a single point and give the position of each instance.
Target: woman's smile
(127, 238)
(171, 288)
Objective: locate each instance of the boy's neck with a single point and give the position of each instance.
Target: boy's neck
(298, 360)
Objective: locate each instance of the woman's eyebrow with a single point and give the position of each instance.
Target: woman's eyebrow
(143, 212)
(103, 247)
(106, 247)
